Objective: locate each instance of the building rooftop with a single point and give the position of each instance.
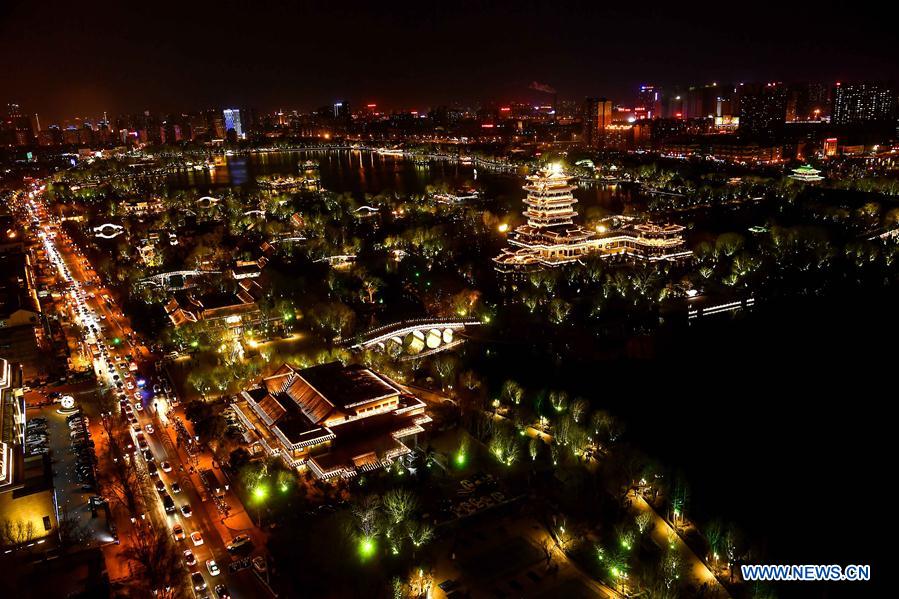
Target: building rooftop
(347, 386)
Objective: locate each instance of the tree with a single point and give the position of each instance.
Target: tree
(399, 504)
(558, 400)
(558, 310)
(504, 445)
(512, 392)
(366, 516)
(419, 533)
(154, 553)
(579, 408)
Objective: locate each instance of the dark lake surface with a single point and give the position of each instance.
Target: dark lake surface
(779, 422)
(361, 173)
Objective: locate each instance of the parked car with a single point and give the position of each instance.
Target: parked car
(239, 542)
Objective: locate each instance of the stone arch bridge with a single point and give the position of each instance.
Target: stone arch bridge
(415, 338)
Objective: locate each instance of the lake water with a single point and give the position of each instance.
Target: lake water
(361, 173)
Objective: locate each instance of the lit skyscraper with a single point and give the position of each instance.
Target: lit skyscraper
(597, 118)
(648, 102)
(863, 102)
(763, 109)
(232, 121)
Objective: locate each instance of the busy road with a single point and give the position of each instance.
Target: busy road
(125, 368)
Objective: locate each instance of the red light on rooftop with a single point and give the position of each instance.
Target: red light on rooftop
(487, 125)
(505, 109)
(371, 105)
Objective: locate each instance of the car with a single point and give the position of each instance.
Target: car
(186, 511)
(189, 558)
(130, 386)
(138, 406)
(221, 591)
(149, 429)
(151, 468)
(197, 538)
(166, 467)
(178, 532)
(160, 486)
(212, 567)
(176, 488)
(148, 455)
(197, 580)
(238, 542)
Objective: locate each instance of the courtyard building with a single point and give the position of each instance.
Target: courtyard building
(335, 420)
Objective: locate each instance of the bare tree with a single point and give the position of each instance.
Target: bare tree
(154, 553)
(399, 504)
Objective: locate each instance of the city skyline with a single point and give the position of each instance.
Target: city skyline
(198, 56)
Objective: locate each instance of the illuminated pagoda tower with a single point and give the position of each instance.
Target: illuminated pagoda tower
(806, 173)
(550, 237)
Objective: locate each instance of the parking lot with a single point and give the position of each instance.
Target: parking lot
(73, 488)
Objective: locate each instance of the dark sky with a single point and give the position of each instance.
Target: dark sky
(71, 58)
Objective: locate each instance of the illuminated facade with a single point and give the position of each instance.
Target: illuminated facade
(863, 102)
(551, 238)
(234, 311)
(27, 500)
(806, 173)
(232, 121)
(335, 420)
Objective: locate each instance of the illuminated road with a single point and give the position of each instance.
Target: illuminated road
(125, 366)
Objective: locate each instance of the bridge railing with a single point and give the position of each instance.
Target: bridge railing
(384, 332)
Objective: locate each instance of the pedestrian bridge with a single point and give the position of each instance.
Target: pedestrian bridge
(415, 338)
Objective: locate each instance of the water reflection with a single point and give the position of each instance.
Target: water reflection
(361, 173)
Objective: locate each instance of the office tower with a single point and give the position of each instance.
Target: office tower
(863, 102)
(341, 110)
(763, 109)
(232, 122)
(649, 103)
(597, 118)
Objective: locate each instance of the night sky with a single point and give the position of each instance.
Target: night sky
(70, 58)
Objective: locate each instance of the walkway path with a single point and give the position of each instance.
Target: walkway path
(663, 534)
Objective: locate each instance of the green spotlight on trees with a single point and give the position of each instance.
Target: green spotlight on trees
(366, 547)
(460, 459)
(260, 493)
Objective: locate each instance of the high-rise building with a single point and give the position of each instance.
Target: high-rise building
(597, 118)
(341, 110)
(763, 109)
(863, 102)
(808, 102)
(649, 103)
(232, 122)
